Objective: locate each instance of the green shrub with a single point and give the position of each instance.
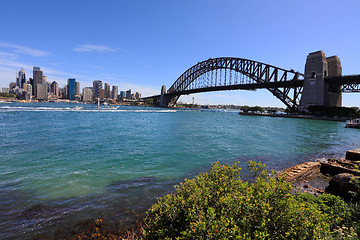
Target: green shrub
(219, 205)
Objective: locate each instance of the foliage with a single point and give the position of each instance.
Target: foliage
(149, 102)
(219, 205)
(255, 109)
(7, 95)
(333, 111)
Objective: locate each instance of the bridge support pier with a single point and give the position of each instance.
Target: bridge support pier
(164, 101)
(316, 91)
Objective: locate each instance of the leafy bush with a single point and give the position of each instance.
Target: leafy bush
(219, 205)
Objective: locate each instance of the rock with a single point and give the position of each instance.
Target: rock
(341, 185)
(334, 168)
(353, 155)
(301, 172)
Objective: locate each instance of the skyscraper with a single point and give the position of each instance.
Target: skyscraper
(97, 85)
(21, 79)
(114, 93)
(107, 90)
(77, 88)
(87, 94)
(55, 88)
(71, 88)
(128, 94)
(38, 78)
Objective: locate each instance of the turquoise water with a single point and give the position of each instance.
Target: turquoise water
(60, 164)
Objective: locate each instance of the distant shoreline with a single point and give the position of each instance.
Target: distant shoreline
(337, 119)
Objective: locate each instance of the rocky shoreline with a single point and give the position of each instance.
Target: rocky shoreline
(331, 176)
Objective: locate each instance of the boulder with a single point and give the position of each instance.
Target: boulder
(341, 185)
(353, 155)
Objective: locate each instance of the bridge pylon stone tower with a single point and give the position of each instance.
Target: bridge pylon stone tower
(164, 102)
(316, 91)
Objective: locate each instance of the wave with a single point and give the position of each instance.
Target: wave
(78, 109)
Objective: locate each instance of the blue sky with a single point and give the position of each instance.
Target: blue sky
(144, 44)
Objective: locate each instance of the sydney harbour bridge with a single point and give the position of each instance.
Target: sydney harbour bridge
(321, 84)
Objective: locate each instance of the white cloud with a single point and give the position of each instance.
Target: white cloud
(24, 50)
(94, 48)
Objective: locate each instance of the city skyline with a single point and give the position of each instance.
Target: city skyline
(146, 45)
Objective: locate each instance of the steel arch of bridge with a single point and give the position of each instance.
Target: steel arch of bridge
(278, 81)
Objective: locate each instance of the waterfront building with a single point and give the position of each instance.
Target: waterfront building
(71, 88)
(128, 94)
(54, 88)
(29, 89)
(21, 78)
(137, 96)
(114, 93)
(97, 85)
(41, 91)
(5, 90)
(31, 82)
(102, 94)
(122, 94)
(77, 88)
(38, 79)
(88, 94)
(63, 92)
(107, 90)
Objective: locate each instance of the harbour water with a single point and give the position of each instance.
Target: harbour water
(61, 164)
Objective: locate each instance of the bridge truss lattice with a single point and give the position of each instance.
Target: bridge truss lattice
(227, 73)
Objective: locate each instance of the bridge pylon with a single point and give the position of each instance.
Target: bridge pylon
(316, 91)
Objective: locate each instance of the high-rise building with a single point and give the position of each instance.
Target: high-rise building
(44, 79)
(102, 94)
(55, 88)
(114, 93)
(41, 91)
(71, 88)
(77, 88)
(97, 85)
(88, 94)
(128, 94)
(137, 96)
(12, 85)
(21, 78)
(31, 82)
(107, 90)
(38, 78)
(29, 89)
(122, 94)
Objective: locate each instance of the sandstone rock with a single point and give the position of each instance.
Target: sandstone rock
(353, 155)
(341, 185)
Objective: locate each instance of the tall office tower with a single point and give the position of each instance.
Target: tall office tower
(31, 82)
(77, 88)
(44, 79)
(122, 94)
(107, 90)
(97, 85)
(29, 89)
(137, 96)
(71, 88)
(21, 79)
(114, 93)
(128, 94)
(88, 94)
(38, 78)
(55, 88)
(41, 90)
(102, 94)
